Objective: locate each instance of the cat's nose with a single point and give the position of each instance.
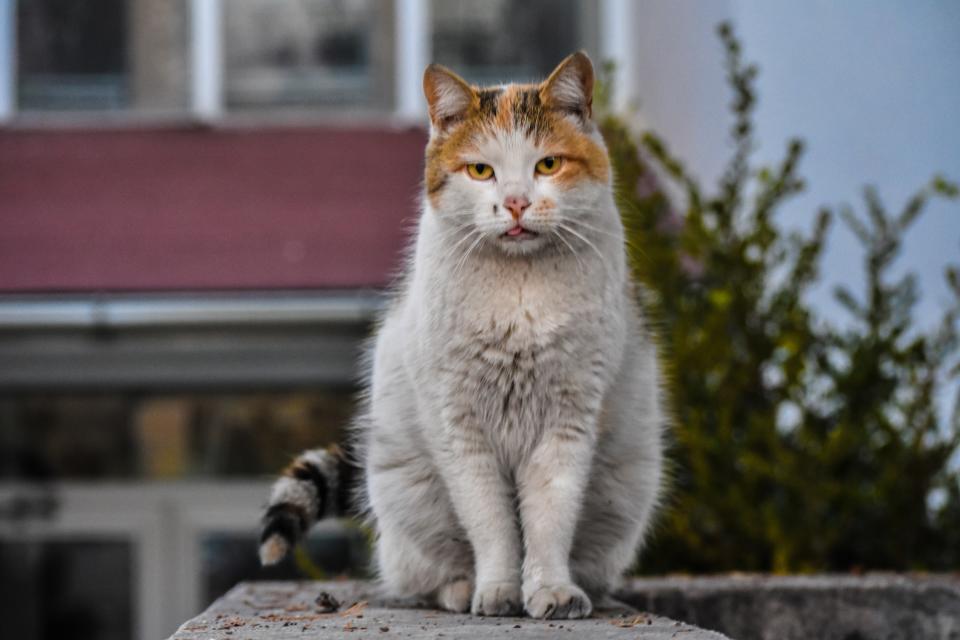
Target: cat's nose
(516, 205)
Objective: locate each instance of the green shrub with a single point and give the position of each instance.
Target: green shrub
(799, 444)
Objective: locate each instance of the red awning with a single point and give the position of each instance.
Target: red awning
(205, 209)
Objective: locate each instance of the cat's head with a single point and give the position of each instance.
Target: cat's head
(518, 167)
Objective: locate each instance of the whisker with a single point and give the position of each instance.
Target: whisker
(623, 238)
(585, 240)
(449, 253)
(463, 260)
(590, 227)
(573, 251)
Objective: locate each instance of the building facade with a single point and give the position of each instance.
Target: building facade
(202, 203)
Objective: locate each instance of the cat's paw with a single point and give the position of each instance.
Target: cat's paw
(497, 599)
(455, 596)
(559, 601)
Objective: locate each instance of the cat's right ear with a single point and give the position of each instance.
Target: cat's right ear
(570, 87)
(449, 97)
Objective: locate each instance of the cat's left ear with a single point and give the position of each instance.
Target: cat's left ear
(448, 95)
(570, 86)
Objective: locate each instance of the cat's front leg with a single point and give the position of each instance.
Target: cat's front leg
(483, 500)
(551, 485)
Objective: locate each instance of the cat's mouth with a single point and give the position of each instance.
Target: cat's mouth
(519, 233)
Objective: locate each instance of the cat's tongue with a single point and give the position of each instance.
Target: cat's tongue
(517, 230)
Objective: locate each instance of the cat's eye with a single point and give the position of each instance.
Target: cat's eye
(479, 171)
(549, 165)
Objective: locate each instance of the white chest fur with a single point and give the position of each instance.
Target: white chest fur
(502, 342)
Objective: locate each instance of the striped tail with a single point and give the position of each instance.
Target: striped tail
(316, 485)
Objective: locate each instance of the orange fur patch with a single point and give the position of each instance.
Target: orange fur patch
(545, 205)
(583, 158)
(515, 107)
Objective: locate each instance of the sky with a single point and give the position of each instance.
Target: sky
(872, 87)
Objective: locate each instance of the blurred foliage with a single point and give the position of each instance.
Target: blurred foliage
(800, 444)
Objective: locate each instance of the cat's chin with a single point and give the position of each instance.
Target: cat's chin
(524, 243)
(519, 234)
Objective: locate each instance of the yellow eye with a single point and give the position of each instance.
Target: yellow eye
(549, 165)
(479, 171)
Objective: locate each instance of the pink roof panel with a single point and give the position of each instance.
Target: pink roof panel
(197, 209)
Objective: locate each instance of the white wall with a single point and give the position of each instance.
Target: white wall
(680, 88)
(873, 87)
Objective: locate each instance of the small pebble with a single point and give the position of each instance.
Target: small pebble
(326, 603)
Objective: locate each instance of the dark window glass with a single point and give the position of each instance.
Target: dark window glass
(301, 53)
(329, 552)
(72, 55)
(161, 436)
(103, 55)
(79, 589)
(509, 40)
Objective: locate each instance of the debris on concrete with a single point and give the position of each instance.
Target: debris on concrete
(287, 610)
(326, 603)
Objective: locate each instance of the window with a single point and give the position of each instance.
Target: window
(161, 436)
(510, 40)
(72, 55)
(284, 56)
(102, 56)
(308, 53)
(156, 459)
(54, 595)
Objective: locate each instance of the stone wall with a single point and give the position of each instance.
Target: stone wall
(824, 607)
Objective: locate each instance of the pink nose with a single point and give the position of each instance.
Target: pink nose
(517, 205)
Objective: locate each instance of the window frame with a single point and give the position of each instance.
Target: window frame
(274, 339)
(163, 522)
(8, 60)
(412, 52)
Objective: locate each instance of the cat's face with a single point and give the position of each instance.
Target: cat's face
(518, 167)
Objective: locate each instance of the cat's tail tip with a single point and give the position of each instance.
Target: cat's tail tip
(314, 486)
(284, 524)
(273, 549)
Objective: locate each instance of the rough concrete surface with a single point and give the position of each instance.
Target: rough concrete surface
(822, 607)
(287, 610)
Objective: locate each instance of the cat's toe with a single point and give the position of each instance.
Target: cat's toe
(497, 599)
(559, 601)
(455, 596)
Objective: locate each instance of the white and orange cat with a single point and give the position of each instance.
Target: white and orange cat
(510, 442)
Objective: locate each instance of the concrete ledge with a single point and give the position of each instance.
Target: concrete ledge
(287, 610)
(825, 607)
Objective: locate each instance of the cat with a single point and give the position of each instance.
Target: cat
(510, 438)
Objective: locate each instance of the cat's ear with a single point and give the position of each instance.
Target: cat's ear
(570, 86)
(449, 97)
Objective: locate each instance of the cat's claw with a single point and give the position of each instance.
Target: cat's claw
(497, 599)
(559, 601)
